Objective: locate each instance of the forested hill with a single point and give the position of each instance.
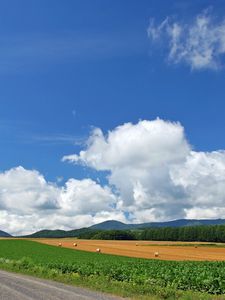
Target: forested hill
(116, 225)
(57, 233)
(4, 234)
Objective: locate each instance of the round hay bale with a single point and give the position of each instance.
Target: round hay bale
(156, 254)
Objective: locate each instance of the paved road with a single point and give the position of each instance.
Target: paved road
(21, 287)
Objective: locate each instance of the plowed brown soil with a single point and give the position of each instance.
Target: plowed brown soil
(145, 249)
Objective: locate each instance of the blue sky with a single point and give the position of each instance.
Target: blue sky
(67, 67)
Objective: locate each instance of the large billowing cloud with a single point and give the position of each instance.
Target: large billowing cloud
(29, 203)
(156, 173)
(144, 145)
(199, 43)
(28, 189)
(153, 175)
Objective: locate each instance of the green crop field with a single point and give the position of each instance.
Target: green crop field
(165, 279)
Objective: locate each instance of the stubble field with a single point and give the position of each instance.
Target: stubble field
(146, 249)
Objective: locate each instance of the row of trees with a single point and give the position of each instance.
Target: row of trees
(108, 235)
(211, 233)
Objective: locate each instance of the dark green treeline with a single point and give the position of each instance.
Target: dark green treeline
(211, 233)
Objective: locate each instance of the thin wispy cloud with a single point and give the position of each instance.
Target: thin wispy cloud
(74, 113)
(26, 51)
(16, 132)
(200, 44)
(58, 139)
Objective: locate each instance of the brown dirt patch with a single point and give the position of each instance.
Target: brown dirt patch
(144, 249)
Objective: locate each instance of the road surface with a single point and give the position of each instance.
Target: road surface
(21, 287)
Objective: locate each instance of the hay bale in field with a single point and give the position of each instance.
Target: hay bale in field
(156, 254)
(98, 250)
(136, 244)
(75, 244)
(60, 244)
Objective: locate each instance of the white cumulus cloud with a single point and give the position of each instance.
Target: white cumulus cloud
(155, 172)
(199, 43)
(21, 188)
(82, 196)
(29, 203)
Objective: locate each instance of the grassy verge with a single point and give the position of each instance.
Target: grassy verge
(127, 277)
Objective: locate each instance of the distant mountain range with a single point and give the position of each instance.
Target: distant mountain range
(4, 234)
(116, 225)
(46, 233)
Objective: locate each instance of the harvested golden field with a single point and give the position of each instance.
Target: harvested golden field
(146, 249)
